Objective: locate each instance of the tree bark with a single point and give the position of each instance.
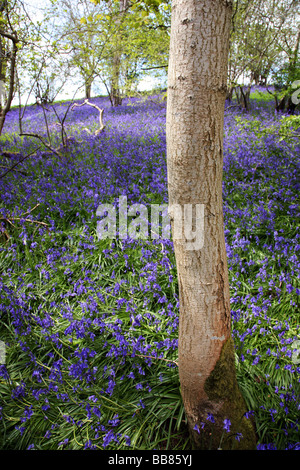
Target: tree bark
(88, 89)
(12, 71)
(195, 112)
(115, 91)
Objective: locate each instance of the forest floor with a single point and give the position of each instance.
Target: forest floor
(89, 326)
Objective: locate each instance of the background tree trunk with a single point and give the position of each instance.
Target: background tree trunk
(12, 71)
(195, 112)
(88, 89)
(115, 91)
(3, 53)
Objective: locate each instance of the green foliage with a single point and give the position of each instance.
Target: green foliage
(261, 96)
(286, 75)
(112, 42)
(264, 39)
(286, 128)
(289, 126)
(160, 424)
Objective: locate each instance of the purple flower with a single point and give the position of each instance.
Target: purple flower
(196, 428)
(63, 443)
(227, 425)
(115, 421)
(127, 440)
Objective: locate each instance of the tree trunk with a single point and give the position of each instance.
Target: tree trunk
(13, 60)
(290, 107)
(229, 93)
(245, 97)
(115, 91)
(195, 112)
(88, 89)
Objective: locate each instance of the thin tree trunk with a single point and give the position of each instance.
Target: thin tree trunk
(115, 92)
(245, 97)
(195, 113)
(88, 89)
(13, 37)
(229, 93)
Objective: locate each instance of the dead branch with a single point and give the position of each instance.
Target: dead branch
(25, 220)
(46, 144)
(10, 218)
(10, 154)
(102, 126)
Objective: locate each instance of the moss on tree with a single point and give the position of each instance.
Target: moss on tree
(224, 401)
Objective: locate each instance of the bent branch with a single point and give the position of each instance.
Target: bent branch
(102, 126)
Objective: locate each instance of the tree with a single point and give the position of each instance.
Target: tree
(114, 41)
(18, 35)
(8, 56)
(81, 35)
(259, 29)
(195, 111)
(288, 71)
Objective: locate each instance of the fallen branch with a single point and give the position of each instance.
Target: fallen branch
(102, 126)
(25, 220)
(9, 218)
(10, 154)
(30, 210)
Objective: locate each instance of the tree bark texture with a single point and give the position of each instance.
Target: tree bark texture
(88, 89)
(12, 71)
(195, 112)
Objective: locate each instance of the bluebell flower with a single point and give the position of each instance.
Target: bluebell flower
(227, 425)
(196, 428)
(210, 417)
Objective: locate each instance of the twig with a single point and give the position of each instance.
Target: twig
(48, 146)
(64, 136)
(46, 121)
(30, 210)
(9, 220)
(10, 154)
(159, 358)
